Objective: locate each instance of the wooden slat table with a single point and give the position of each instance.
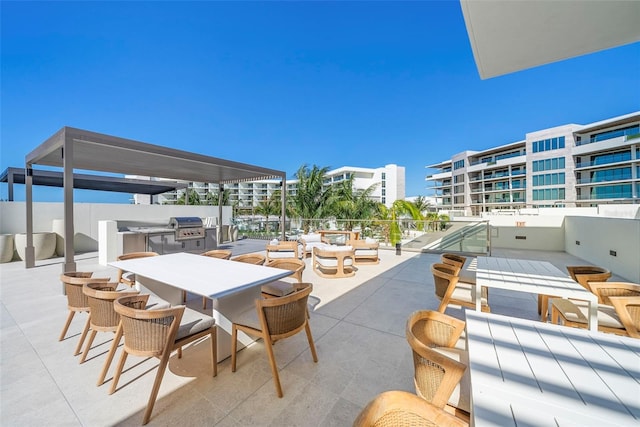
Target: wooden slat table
(528, 373)
(536, 277)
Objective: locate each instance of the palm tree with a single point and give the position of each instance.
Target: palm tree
(194, 198)
(353, 204)
(312, 200)
(392, 216)
(422, 204)
(269, 206)
(212, 198)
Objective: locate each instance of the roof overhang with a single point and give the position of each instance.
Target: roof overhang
(92, 182)
(99, 152)
(509, 36)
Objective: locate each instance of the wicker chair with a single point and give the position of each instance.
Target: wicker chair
(129, 279)
(628, 309)
(257, 259)
(435, 329)
(157, 333)
(102, 317)
(214, 253)
(77, 301)
(449, 291)
(275, 319)
(583, 274)
(574, 312)
(280, 288)
(402, 409)
(459, 261)
(437, 373)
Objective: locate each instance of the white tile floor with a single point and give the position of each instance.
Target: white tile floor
(357, 323)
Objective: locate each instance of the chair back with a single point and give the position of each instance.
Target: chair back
(584, 274)
(444, 275)
(402, 409)
(101, 297)
(257, 259)
(435, 329)
(131, 255)
(285, 316)
(628, 310)
(436, 375)
(218, 253)
(73, 282)
(453, 259)
(296, 265)
(147, 333)
(604, 290)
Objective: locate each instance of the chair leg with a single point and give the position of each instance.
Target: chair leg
(66, 325)
(112, 352)
(307, 329)
(116, 376)
(204, 303)
(156, 386)
(83, 336)
(92, 336)
(234, 346)
(272, 362)
(539, 304)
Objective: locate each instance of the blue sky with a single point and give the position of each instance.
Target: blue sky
(282, 84)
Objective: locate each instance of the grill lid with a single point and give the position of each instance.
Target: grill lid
(185, 222)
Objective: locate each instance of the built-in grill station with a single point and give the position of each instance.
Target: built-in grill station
(187, 227)
(182, 234)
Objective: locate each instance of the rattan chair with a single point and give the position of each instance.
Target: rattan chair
(435, 329)
(449, 291)
(583, 274)
(402, 409)
(77, 300)
(453, 259)
(275, 319)
(256, 259)
(437, 373)
(465, 274)
(157, 333)
(214, 253)
(129, 279)
(280, 288)
(628, 309)
(574, 313)
(102, 317)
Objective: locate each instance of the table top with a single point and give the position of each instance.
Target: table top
(201, 275)
(524, 372)
(538, 277)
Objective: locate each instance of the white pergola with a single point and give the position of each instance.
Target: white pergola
(513, 35)
(72, 148)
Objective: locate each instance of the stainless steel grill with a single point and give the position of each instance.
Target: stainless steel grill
(187, 227)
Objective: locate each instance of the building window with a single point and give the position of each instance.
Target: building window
(458, 178)
(548, 144)
(631, 130)
(622, 191)
(549, 194)
(617, 174)
(603, 159)
(548, 164)
(458, 164)
(548, 179)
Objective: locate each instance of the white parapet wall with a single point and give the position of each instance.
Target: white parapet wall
(613, 243)
(46, 217)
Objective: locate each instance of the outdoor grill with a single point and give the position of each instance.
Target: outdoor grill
(187, 227)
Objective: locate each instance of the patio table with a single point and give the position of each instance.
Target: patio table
(537, 277)
(232, 286)
(528, 373)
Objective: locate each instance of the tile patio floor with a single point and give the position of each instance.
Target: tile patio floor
(357, 323)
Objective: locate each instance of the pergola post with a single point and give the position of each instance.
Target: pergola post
(67, 159)
(283, 213)
(29, 251)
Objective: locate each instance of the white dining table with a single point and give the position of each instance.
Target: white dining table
(531, 276)
(528, 373)
(232, 286)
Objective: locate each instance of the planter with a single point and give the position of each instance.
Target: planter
(44, 245)
(6, 247)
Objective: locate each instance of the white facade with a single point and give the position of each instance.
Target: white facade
(389, 182)
(569, 165)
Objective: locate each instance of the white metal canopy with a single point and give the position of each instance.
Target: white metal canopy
(72, 148)
(509, 36)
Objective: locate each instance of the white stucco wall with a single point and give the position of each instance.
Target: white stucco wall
(598, 236)
(87, 215)
(548, 238)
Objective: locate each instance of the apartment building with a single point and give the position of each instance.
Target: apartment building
(565, 166)
(389, 182)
